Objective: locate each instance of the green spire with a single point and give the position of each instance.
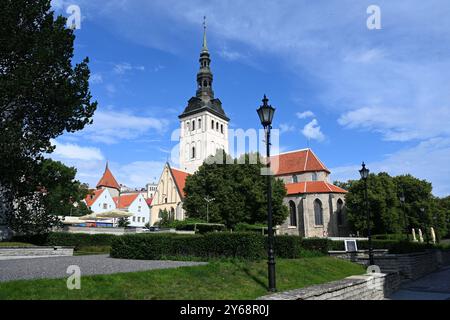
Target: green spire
(205, 45)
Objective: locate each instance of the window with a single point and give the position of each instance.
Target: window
(139, 209)
(188, 126)
(143, 219)
(105, 206)
(293, 214)
(221, 128)
(318, 212)
(212, 124)
(340, 206)
(314, 176)
(294, 179)
(134, 219)
(217, 126)
(193, 125)
(139, 219)
(193, 153)
(200, 124)
(165, 200)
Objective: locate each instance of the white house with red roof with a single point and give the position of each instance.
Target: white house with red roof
(316, 207)
(108, 197)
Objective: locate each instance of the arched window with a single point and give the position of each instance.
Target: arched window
(200, 124)
(212, 124)
(294, 179)
(217, 126)
(221, 128)
(340, 206)
(193, 125)
(188, 126)
(193, 153)
(318, 212)
(293, 214)
(314, 176)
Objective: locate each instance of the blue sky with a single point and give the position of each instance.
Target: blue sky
(350, 93)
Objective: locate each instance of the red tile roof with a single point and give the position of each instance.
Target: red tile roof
(125, 200)
(312, 187)
(92, 197)
(180, 180)
(108, 180)
(297, 162)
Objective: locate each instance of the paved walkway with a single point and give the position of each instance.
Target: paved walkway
(435, 286)
(56, 267)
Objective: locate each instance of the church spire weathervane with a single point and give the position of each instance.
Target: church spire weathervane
(205, 45)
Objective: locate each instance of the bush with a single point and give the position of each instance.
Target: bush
(210, 245)
(246, 227)
(317, 244)
(202, 227)
(396, 236)
(76, 240)
(288, 247)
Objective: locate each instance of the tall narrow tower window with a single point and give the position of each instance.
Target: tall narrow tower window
(212, 124)
(193, 153)
(200, 124)
(221, 128)
(193, 125)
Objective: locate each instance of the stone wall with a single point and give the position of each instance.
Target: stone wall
(410, 266)
(374, 286)
(36, 252)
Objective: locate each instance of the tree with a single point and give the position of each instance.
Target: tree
(383, 205)
(123, 222)
(42, 95)
(64, 194)
(239, 190)
(386, 210)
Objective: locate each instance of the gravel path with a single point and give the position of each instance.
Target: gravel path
(56, 267)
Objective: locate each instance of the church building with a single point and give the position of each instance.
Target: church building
(316, 206)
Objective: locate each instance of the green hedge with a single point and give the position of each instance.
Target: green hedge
(76, 240)
(211, 245)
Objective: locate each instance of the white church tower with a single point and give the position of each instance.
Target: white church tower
(204, 124)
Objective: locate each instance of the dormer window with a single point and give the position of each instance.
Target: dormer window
(314, 176)
(294, 179)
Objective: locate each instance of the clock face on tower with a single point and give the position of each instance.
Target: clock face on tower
(204, 124)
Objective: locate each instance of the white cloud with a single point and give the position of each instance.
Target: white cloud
(111, 126)
(304, 115)
(96, 78)
(312, 131)
(71, 151)
(284, 127)
(122, 68)
(138, 174)
(427, 160)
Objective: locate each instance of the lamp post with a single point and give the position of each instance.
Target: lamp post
(405, 221)
(265, 113)
(208, 200)
(424, 220)
(364, 172)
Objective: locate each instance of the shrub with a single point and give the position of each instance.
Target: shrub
(317, 244)
(210, 245)
(246, 227)
(288, 247)
(202, 227)
(65, 239)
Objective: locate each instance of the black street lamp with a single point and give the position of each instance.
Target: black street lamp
(405, 221)
(265, 113)
(425, 222)
(364, 172)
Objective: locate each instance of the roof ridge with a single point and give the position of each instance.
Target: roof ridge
(293, 151)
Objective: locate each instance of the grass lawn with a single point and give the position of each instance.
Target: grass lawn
(15, 245)
(215, 281)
